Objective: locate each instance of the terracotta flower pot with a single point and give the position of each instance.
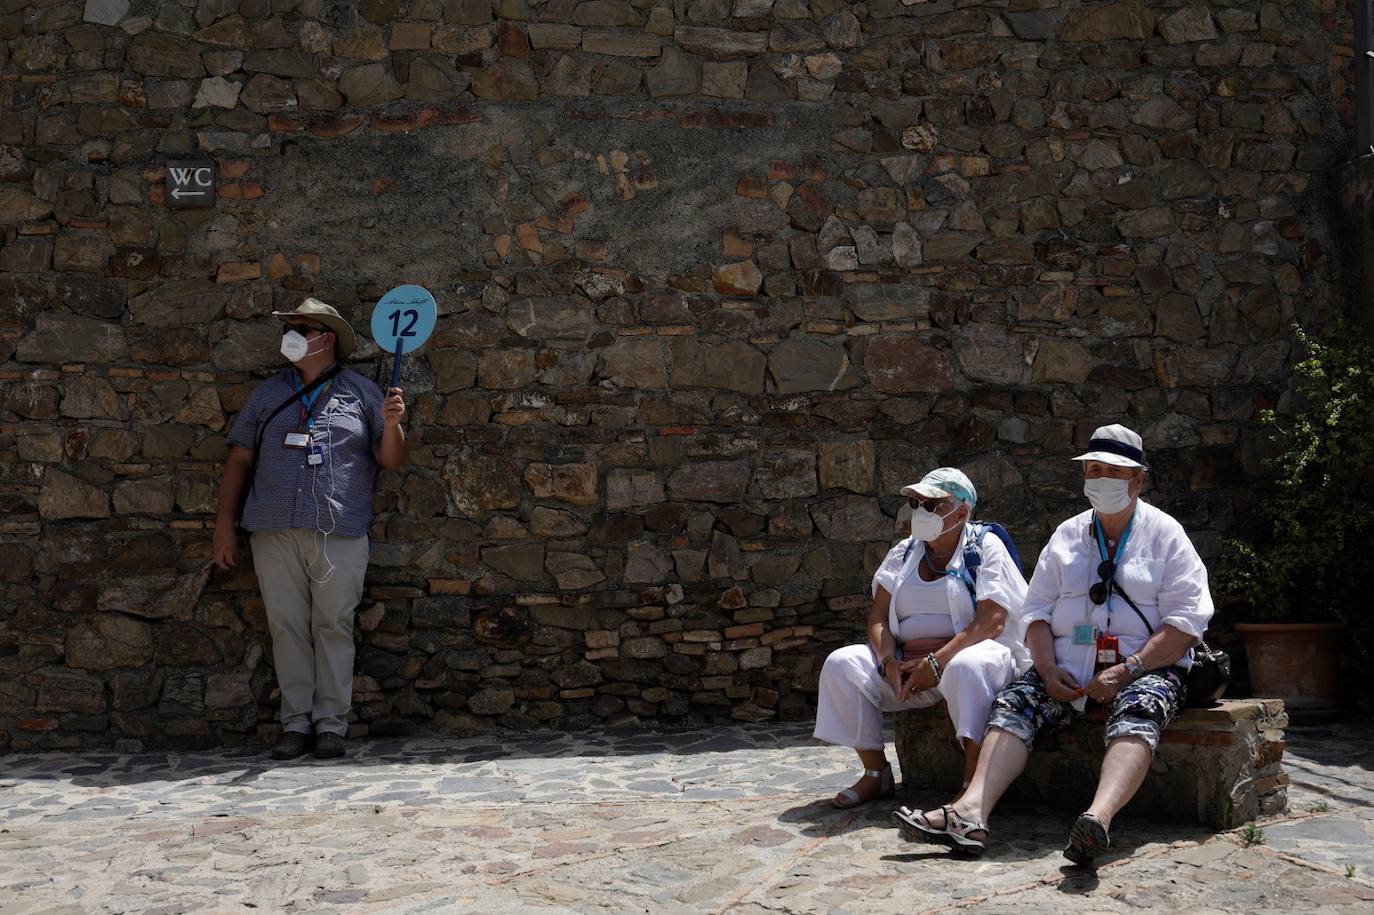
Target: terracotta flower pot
(1295, 662)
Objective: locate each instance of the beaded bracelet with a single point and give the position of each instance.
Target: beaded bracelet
(934, 666)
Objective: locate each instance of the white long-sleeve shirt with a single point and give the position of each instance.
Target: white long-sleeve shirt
(1159, 568)
(998, 580)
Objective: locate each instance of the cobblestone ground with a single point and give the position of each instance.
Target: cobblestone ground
(727, 820)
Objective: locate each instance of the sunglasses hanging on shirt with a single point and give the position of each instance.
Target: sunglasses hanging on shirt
(1098, 593)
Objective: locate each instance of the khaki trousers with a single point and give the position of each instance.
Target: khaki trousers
(310, 616)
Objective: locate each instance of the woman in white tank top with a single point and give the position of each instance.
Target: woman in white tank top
(936, 632)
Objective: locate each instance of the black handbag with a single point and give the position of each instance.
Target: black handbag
(1210, 674)
(1208, 677)
(262, 430)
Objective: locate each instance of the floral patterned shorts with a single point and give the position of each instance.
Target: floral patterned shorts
(1143, 709)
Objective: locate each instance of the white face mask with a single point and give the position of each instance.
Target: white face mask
(295, 347)
(1107, 494)
(928, 526)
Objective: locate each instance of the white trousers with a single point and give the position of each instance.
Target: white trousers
(853, 697)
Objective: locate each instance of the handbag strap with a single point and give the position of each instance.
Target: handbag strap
(1201, 643)
(1121, 591)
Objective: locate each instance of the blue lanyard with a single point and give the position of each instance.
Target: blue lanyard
(308, 401)
(1102, 552)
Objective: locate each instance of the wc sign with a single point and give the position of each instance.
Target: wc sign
(191, 183)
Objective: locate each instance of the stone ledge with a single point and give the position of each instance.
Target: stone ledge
(1221, 766)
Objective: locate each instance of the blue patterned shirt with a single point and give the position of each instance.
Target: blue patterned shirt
(288, 492)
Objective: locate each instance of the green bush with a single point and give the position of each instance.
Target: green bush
(1305, 555)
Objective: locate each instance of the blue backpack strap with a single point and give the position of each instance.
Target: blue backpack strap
(973, 558)
(1005, 537)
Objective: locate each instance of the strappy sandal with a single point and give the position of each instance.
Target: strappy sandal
(1088, 840)
(887, 787)
(915, 825)
(959, 831)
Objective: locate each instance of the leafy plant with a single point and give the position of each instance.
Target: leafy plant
(1318, 807)
(1302, 558)
(1251, 835)
(1349, 871)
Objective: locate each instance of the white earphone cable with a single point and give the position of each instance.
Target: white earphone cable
(322, 547)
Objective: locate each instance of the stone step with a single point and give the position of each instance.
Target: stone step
(1221, 766)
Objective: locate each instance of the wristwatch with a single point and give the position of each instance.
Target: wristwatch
(882, 666)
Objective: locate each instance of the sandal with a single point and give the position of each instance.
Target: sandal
(915, 825)
(1088, 840)
(960, 832)
(886, 788)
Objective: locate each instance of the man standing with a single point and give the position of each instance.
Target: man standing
(309, 468)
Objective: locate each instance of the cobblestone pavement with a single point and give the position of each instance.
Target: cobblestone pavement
(727, 820)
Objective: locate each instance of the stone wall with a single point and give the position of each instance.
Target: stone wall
(716, 278)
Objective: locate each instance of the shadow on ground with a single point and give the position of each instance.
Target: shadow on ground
(100, 770)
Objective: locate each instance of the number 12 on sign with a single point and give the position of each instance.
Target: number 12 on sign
(411, 317)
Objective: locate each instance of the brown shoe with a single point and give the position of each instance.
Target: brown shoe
(329, 746)
(291, 745)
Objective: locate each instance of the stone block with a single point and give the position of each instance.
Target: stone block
(632, 489)
(1108, 22)
(742, 278)
(18, 205)
(710, 481)
(482, 483)
(896, 365)
(645, 563)
(105, 12)
(64, 496)
(572, 570)
(574, 483)
(1212, 767)
(621, 44)
(635, 362)
(369, 85)
(851, 518)
(720, 44)
(520, 561)
(731, 365)
(804, 363)
(110, 640)
(63, 691)
(847, 465)
(785, 473)
(1062, 361)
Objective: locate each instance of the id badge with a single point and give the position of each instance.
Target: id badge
(1106, 650)
(314, 455)
(296, 440)
(1084, 634)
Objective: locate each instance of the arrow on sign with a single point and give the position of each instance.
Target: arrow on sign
(179, 193)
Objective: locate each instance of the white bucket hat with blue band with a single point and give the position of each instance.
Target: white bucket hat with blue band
(942, 482)
(1115, 444)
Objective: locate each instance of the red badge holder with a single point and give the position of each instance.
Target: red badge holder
(1107, 653)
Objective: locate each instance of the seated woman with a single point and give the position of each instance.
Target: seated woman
(928, 637)
(1118, 600)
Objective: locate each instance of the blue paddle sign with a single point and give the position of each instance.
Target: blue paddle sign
(402, 321)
